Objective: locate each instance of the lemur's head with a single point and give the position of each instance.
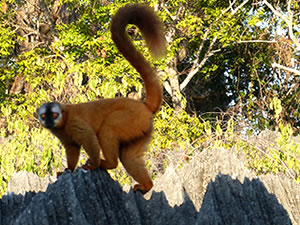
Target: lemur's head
(50, 114)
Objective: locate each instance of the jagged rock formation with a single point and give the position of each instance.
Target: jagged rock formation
(215, 188)
(23, 182)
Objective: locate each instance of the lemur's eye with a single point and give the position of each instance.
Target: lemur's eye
(54, 115)
(43, 116)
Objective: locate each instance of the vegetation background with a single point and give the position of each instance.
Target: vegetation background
(232, 70)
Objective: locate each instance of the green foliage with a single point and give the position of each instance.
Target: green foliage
(33, 150)
(176, 128)
(6, 40)
(6, 46)
(276, 106)
(281, 155)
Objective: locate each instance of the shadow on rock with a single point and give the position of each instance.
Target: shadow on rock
(229, 201)
(87, 198)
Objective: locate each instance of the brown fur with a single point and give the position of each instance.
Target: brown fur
(120, 127)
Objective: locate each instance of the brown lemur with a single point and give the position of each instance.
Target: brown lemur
(120, 127)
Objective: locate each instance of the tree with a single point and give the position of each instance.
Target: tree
(200, 34)
(273, 94)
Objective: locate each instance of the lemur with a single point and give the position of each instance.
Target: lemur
(120, 127)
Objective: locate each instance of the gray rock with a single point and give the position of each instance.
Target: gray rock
(215, 188)
(23, 182)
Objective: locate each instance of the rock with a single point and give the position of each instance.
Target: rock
(214, 188)
(22, 182)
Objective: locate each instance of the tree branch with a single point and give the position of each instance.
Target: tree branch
(239, 7)
(168, 88)
(297, 72)
(196, 64)
(196, 68)
(287, 19)
(257, 41)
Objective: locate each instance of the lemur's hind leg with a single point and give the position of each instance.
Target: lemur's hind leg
(132, 159)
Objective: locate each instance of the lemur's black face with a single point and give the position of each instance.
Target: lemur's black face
(50, 114)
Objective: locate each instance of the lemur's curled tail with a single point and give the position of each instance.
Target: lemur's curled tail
(152, 30)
